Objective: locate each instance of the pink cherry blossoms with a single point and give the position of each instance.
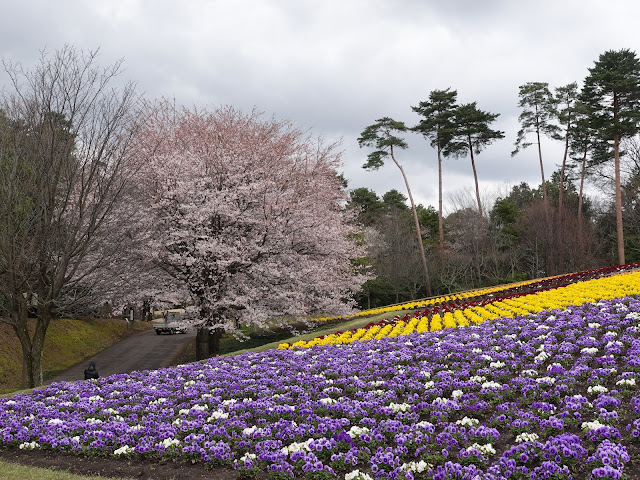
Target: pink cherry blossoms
(248, 216)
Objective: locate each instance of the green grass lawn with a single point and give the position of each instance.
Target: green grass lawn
(67, 343)
(13, 471)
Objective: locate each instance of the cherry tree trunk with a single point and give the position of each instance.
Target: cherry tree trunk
(207, 342)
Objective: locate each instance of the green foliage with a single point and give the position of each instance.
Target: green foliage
(505, 215)
(538, 110)
(470, 130)
(381, 136)
(394, 200)
(428, 218)
(611, 96)
(437, 116)
(13, 470)
(367, 203)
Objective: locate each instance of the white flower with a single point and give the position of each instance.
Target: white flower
(491, 384)
(477, 378)
(595, 425)
(497, 364)
(589, 350)
(468, 422)
(29, 445)
(357, 475)
(526, 437)
(356, 431)
(417, 467)
(249, 430)
(486, 449)
(216, 414)
(429, 385)
(546, 380)
(595, 324)
(327, 401)
(55, 421)
(124, 450)
(541, 357)
(631, 382)
(296, 447)
(170, 442)
(399, 407)
(457, 393)
(597, 389)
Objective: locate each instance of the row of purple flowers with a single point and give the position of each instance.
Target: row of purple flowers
(552, 395)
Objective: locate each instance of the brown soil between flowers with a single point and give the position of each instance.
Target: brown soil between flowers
(112, 467)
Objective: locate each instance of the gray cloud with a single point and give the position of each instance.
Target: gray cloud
(336, 66)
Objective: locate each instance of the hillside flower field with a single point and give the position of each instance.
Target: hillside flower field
(545, 385)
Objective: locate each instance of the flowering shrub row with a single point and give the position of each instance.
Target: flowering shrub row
(550, 395)
(464, 313)
(526, 286)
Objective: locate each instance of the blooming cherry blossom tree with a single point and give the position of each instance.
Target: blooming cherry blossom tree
(250, 218)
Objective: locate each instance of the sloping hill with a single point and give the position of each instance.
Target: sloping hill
(67, 343)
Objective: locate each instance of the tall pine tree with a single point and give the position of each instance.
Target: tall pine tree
(611, 95)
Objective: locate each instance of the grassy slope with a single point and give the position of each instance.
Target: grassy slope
(67, 342)
(12, 471)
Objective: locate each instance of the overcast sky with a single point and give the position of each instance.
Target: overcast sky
(335, 66)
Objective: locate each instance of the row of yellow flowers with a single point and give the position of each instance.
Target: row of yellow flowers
(615, 286)
(414, 304)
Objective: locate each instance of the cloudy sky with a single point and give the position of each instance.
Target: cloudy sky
(335, 66)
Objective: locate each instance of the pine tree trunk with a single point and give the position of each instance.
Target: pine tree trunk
(440, 221)
(423, 257)
(475, 177)
(619, 227)
(544, 183)
(580, 196)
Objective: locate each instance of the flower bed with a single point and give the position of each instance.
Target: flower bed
(559, 292)
(454, 301)
(552, 395)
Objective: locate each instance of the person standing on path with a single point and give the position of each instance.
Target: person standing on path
(91, 372)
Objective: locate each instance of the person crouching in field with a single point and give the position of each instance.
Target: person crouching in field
(91, 372)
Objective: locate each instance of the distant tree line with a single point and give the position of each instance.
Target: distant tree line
(529, 232)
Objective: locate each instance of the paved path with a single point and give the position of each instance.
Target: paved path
(142, 351)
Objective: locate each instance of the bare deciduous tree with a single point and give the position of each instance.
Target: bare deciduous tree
(64, 174)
